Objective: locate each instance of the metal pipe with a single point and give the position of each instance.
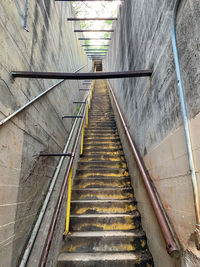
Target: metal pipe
(186, 127)
(96, 45)
(87, 0)
(96, 50)
(167, 234)
(72, 117)
(94, 38)
(81, 76)
(79, 102)
(55, 154)
(47, 198)
(93, 30)
(80, 19)
(58, 206)
(33, 100)
(26, 16)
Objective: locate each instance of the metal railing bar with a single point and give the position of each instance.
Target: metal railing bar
(87, 38)
(55, 154)
(79, 102)
(59, 203)
(167, 233)
(72, 117)
(93, 30)
(34, 99)
(81, 76)
(48, 196)
(80, 19)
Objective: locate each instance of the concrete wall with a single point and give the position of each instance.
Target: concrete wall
(142, 40)
(49, 45)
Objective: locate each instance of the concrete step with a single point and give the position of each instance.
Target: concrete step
(105, 193)
(100, 151)
(85, 165)
(100, 136)
(102, 141)
(101, 131)
(98, 116)
(101, 119)
(110, 145)
(142, 259)
(97, 126)
(101, 183)
(101, 172)
(103, 206)
(102, 157)
(101, 124)
(105, 222)
(105, 241)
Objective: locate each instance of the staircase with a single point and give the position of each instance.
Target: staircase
(105, 226)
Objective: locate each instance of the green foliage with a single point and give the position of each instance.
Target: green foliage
(109, 22)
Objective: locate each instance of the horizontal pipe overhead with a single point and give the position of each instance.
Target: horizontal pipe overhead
(95, 53)
(96, 49)
(77, 19)
(94, 38)
(95, 45)
(93, 30)
(81, 76)
(88, 0)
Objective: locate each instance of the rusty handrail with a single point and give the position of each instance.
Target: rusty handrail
(63, 189)
(171, 245)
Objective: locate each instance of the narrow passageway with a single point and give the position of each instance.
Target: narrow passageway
(105, 226)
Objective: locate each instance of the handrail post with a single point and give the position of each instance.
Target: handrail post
(68, 201)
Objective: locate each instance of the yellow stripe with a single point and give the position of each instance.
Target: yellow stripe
(68, 201)
(82, 137)
(86, 123)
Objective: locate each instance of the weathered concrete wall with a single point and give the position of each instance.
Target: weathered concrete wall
(142, 40)
(49, 45)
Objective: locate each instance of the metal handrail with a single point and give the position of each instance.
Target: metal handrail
(47, 199)
(34, 99)
(171, 245)
(194, 178)
(67, 180)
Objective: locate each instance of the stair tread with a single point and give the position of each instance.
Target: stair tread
(104, 256)
(134, 233)
(104, 189)
(101, 177)
(134, 214)
(102, 200)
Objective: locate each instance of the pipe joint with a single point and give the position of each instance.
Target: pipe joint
(173, 251)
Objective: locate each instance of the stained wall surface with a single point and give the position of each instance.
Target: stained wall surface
(48, 44)
(151, 108)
